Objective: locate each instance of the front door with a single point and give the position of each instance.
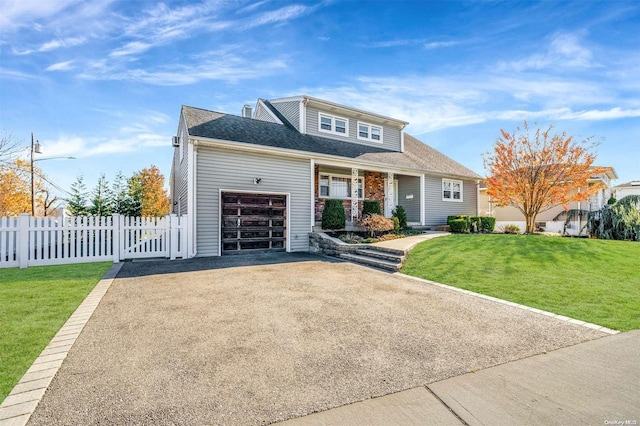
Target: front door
(389, 207)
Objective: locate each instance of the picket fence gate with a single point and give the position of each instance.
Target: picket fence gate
(29, 241)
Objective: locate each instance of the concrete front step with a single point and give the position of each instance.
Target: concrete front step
(391, 256)
(372, 261)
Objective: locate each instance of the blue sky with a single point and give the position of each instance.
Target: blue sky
(104, 80)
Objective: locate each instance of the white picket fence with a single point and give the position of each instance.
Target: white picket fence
(28, 241)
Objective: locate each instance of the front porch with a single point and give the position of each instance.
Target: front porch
(354, 185)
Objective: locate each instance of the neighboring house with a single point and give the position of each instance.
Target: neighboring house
(551, 220)
(628, 188)
(259, 181)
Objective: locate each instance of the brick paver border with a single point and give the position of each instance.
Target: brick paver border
(515, 305)
(16, 409)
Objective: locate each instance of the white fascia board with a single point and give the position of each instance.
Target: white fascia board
(275, 117)
(289, 99)
(318, 158)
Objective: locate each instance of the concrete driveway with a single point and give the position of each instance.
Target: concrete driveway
(240, 340)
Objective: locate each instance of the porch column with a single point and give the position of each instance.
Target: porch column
(354, 195)
(389, 196)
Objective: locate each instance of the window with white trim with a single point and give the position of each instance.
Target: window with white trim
(333, 124)
(336, 186)
(369, 132)
(451, 190)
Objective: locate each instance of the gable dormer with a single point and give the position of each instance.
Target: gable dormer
(317, 117)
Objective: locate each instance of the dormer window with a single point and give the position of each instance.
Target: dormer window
(333, 124)
(369, 132)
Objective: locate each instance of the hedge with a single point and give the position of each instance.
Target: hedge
(333, 215)
(371, 207)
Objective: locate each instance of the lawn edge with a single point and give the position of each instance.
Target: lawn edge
(17, 407)
(515, 305)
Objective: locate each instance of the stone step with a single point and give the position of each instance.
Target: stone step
(372, 261)
(399, 252)
(380, 254)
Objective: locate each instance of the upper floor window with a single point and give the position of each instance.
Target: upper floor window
(333, 124)
(369, 132)
(451, 190)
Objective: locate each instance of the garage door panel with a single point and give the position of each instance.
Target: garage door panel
(253, 222)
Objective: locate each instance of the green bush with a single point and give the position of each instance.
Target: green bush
(333, 215)
(401, 214)
(396, 224)
(371, 207)
(488, 223)
(459, 223)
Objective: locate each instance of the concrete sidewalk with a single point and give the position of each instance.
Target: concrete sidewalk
(592, 383)
(408, 243)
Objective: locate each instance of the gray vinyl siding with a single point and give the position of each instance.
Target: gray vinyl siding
(409, 185)
(290, 110)
(235, 171)
(437, 210)
(180, 173)
(390, 136)
(264, 115)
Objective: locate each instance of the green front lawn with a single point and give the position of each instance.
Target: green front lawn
(597, 281)
(34, 304)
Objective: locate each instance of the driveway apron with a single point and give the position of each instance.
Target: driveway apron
(261, 339)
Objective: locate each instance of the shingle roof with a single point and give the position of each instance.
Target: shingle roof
(417, 156)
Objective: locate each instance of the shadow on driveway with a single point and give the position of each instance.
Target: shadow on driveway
(146, 267)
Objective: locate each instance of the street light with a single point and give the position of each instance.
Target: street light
(36, 149)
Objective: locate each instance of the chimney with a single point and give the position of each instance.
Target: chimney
(247, 111)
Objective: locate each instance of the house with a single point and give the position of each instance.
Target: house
(259, 180)
(627, 188)
(552, 220)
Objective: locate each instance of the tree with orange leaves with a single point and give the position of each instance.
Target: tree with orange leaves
(149, 183)
(535, 173)
(15, 189)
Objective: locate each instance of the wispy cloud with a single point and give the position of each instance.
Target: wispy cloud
(564, 51)
(440, 44)
(131, 48)
(136, 134)
(61, 66)
(230, 69)
(426, 43)
(283, 14)
(53, 45)
(17, 75)
(15, 14)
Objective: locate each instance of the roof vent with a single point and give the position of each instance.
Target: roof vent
(247, 111)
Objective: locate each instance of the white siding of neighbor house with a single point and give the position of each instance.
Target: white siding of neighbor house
(437, 210)
(235, 171)
(264, 115)
(390, 135)
(290, 110)
(180, 171)
(409, 185)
